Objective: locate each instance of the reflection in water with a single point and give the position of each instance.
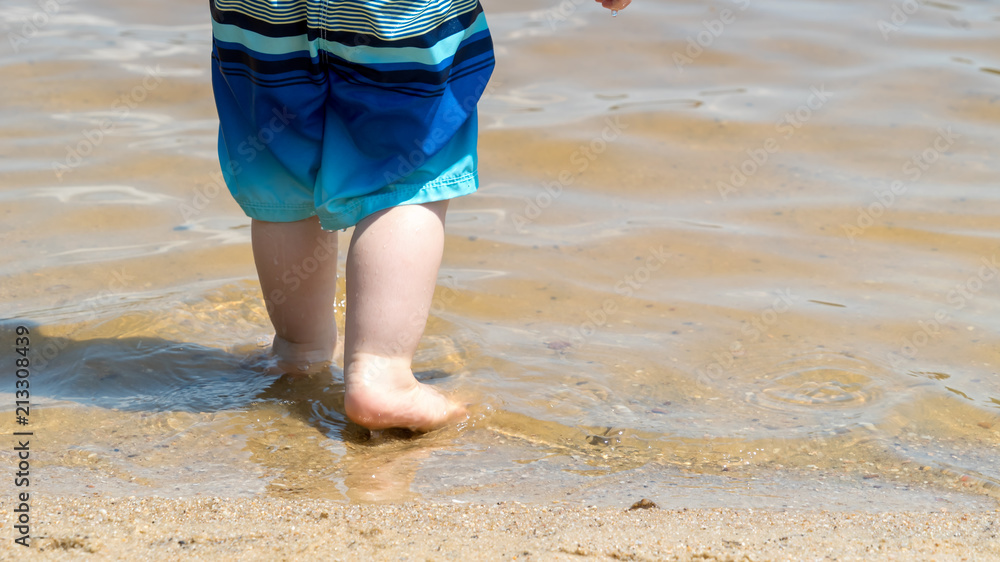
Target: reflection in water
(731, 300)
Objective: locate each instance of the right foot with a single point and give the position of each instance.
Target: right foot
(393, 398)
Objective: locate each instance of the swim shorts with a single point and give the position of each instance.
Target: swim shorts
(341, 108)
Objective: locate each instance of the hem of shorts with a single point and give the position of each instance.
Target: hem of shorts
(361, 207)
(402, 194)
(276, 213)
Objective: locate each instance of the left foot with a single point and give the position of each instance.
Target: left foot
(304, 359)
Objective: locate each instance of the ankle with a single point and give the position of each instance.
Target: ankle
(365, 371)
(308, 357)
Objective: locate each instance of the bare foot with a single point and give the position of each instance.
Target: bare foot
(381, 395)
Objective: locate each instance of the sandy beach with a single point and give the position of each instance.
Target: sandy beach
(273, 529)
(739, 258)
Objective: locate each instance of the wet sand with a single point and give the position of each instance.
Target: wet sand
(272, 529)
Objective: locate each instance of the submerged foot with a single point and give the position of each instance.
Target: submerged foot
(304, 359)
(383, 398)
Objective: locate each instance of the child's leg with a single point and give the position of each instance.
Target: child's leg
(392, 268)
(297, 266)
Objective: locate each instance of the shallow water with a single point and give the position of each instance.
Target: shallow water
(719, 258)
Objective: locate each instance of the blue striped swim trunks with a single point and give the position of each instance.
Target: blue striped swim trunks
(341, 108)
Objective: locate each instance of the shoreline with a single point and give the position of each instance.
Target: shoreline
(271, 529)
